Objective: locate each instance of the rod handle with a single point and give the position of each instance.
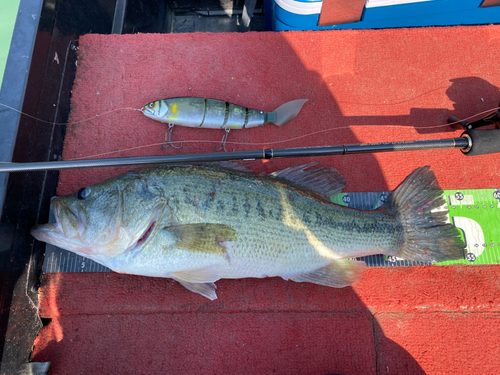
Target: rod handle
(482, 141)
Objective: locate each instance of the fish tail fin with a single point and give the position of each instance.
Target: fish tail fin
(286, 112)
(427, 236)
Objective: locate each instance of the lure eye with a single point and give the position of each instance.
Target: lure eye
(83, 193)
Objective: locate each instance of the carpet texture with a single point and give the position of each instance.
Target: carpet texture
(363, 87)
(356, 81)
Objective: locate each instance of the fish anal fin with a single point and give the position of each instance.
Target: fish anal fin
(324, 181)
(202, 275)
(206, 238)
(205, 289)
(337, 274)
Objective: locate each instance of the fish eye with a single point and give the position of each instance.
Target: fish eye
(151, 105)
(83, 193)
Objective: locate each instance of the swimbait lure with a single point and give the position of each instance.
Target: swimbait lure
(216, 114)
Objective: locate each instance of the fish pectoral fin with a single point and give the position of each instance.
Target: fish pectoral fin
(337, 274)
(205, 238)
(205, 289)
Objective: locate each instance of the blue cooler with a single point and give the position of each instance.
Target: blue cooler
(304, 14)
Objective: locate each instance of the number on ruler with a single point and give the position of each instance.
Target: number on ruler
(392, 259)
(471, 257)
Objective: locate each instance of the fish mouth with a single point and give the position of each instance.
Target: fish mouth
(69, 219)
(147, 111)
(65, 232)
(54, 235)
(47, 232)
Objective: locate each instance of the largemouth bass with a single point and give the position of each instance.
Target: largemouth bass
(199, 224)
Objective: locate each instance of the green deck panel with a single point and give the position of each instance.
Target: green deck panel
(477, 213)
(8, 15)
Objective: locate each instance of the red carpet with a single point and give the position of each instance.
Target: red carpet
(407, 320)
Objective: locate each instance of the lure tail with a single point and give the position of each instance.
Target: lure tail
(427, 236)
(286, 112)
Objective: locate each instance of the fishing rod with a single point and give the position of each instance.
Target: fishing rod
(472, 142)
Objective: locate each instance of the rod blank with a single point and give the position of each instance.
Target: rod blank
(434, 144)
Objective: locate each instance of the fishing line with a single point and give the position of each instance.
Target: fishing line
(340, 101)
(393, 103)
(288, 139)
(492, 110)
(72, 122)
(246, 143)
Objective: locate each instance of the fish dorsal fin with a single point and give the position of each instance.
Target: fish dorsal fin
(324, 181)
(337, 274)
(205, 289)
(230, 165)
(204, 237)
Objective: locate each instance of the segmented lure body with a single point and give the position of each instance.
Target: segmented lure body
(217, 114)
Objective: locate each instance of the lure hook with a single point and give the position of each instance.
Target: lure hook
(224, 140)
(168, 139)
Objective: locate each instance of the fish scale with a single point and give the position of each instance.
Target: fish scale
(260, 250)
